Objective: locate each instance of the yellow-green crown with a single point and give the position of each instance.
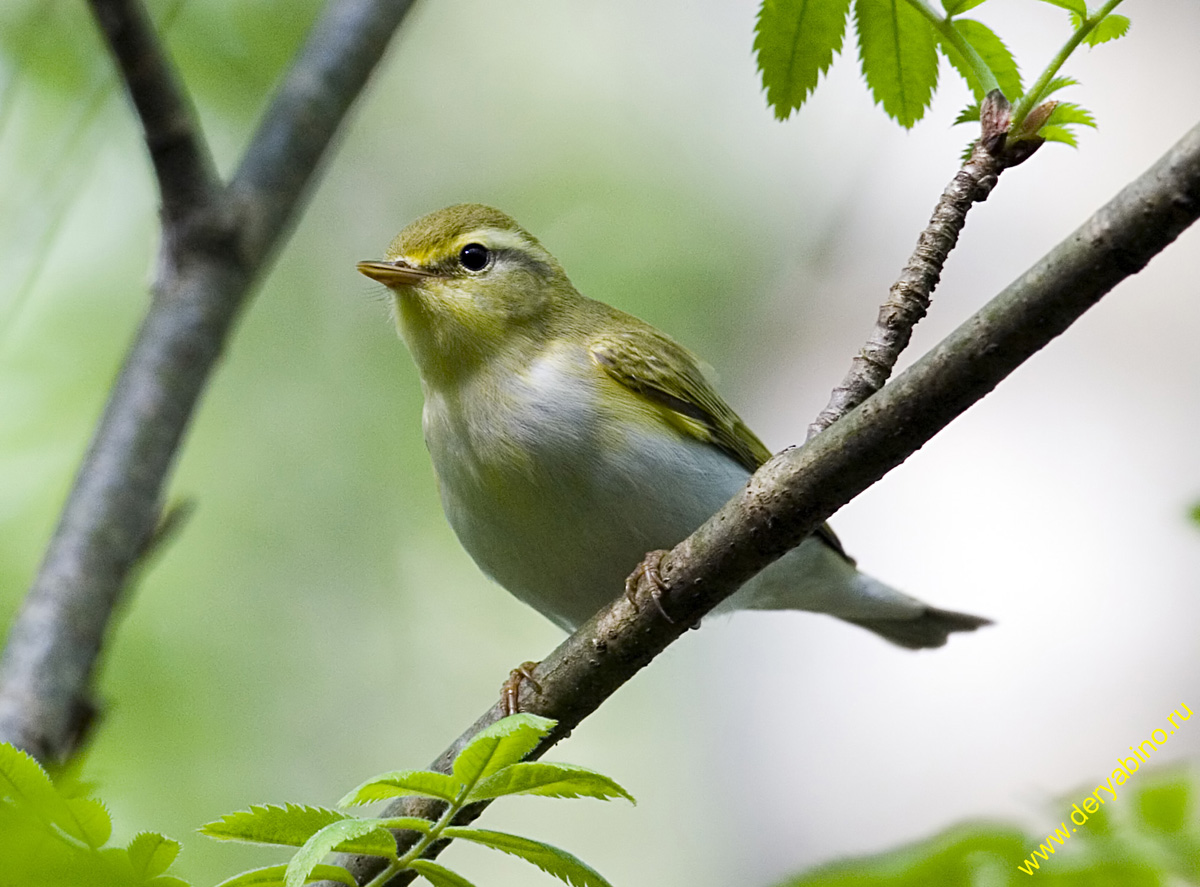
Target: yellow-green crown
(432, 238)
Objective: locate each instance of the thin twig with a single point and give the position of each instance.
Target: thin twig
(801, 487)
(909, 297)
(182, 163)
(216, 243)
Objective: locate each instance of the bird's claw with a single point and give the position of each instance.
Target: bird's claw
(649, 567)
(510, 690)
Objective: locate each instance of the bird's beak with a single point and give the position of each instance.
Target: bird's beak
(397, 273)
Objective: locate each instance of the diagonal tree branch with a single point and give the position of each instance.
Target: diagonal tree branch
(215, 245)
(801, 487)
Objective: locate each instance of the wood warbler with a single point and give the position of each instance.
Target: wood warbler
(570, 438)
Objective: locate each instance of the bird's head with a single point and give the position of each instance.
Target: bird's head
(471, 286)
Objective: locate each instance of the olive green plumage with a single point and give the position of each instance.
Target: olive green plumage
(569, 438)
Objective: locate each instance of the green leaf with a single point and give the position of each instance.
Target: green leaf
(167, 881)
(969, 114)
(1058, 83)
(1100, 827)
(438, 875)
(24, 781)
(89, 820)
(956, 60)
(1109, 855)
(412, 823)
(400, 783)
(1069, 113)
(268, 876)
(1053, 133)
(504, 742)
(365, 836)
(1165, 808)
(1195, 513)
(551, 860)
(898, 50)
(969, 854)
(346, 836)
(151, 854)
(22, 778)
(291, 825)
(1076, 6)
(1110, 28)
(954, 7)
(994, 54)
(795, 41)
(273, 876)
(548, 780)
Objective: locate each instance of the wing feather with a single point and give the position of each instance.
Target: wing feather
(662, 371)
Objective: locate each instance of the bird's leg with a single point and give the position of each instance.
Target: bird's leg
(510, 690)
(658, 588)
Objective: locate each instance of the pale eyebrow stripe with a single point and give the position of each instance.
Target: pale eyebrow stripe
(509, 246)
(497, 238)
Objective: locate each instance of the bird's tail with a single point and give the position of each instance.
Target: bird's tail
(820, 578)
(929, 628)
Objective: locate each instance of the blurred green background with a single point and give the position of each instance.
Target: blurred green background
(317, 622)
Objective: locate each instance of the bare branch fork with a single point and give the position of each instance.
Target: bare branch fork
(217, 240)
(801, 487)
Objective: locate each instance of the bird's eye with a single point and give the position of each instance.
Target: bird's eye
(474, 256)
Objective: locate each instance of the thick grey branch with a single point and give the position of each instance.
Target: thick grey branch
(110, 514)
(801, 487)
(213, 251)
(182, 164)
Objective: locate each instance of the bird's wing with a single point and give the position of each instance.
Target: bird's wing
(665, 373)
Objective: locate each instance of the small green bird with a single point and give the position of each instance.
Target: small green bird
(570, 438)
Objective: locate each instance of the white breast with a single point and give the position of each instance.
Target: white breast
(555, 498)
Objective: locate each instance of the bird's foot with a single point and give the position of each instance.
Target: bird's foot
(649, 567)
(510, 690)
